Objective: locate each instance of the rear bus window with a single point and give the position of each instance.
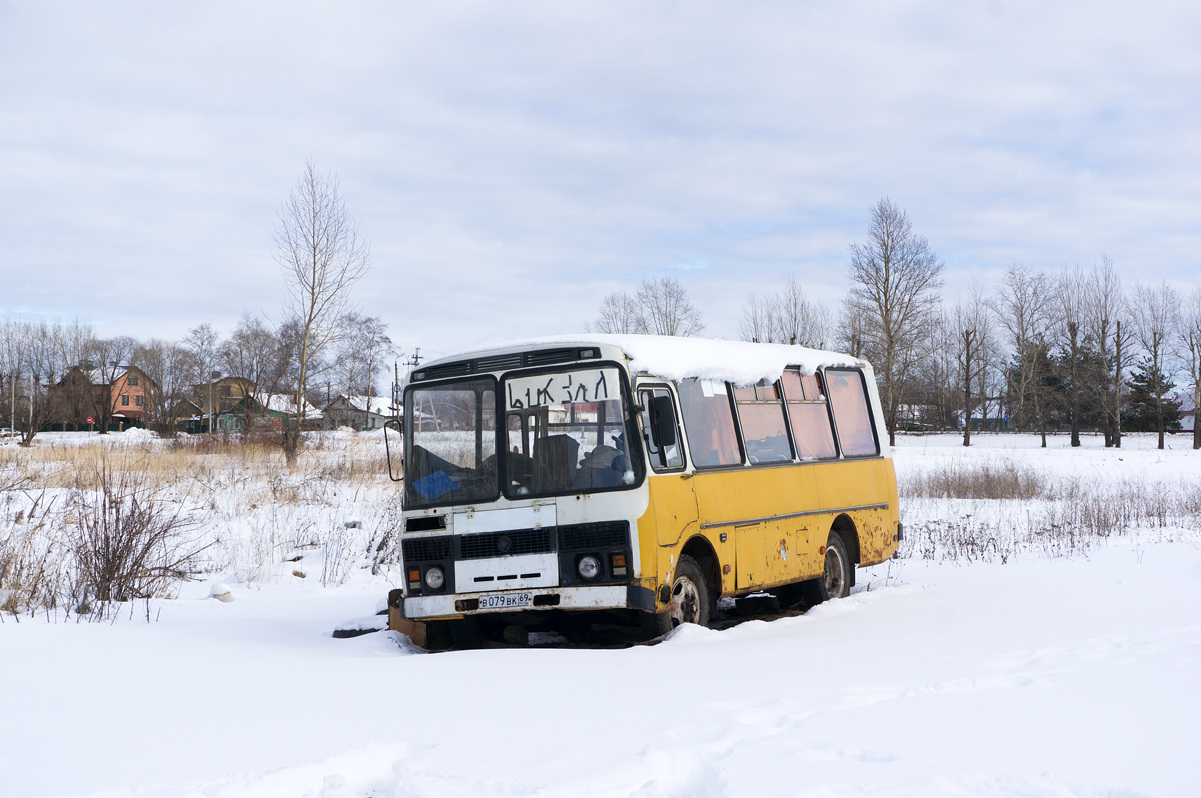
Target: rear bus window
(764, 432)
(709, 423)
(809, 416)
(852, 417)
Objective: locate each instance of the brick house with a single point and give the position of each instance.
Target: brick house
(123, 401)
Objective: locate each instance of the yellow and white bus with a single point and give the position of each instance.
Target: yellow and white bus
(643, 475)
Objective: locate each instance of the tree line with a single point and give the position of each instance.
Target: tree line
(1038, 351)
(322, 347)
(35, 354)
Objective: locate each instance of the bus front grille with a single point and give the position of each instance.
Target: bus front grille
(427, 549)
(499, 544)
(603, 535)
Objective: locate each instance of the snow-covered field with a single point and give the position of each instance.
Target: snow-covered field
(1045, 644)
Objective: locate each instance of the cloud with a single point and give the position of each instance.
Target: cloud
(512, 163)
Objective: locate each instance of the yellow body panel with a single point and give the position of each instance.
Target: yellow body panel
(775, 519)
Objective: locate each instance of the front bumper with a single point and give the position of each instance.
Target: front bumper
(596, 597)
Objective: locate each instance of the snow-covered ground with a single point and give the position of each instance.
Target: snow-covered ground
(1020, 668)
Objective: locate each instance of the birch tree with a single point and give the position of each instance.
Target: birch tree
(322, 256)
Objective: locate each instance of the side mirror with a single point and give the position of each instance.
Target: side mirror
(663, 421)
(393, 424)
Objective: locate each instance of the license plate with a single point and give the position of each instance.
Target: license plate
(499, 601)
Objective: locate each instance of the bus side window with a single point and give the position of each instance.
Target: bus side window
(764, 432)
(809, 416)
(852, 418)
(709, 423)
(667, 457)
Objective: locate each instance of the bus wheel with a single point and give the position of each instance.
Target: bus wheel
(690, 598)
(835, 581)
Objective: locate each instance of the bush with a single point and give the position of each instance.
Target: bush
(127, 542)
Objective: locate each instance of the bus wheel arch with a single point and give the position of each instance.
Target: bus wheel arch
(840, 554)
(694, 587)
(845, 528)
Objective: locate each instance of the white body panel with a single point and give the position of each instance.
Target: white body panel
(506, 573)
(534, 516)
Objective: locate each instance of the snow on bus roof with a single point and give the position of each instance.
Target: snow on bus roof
(674, 357)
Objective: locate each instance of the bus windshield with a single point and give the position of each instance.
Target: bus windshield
(563, 432)
(567, 432)
(450, 444)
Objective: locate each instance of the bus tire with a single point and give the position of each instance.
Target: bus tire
(691, 598)
(835, 581)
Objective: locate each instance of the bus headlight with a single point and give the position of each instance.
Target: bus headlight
(589, 567)
(434, 578)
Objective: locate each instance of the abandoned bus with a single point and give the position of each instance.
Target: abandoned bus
(640, 474)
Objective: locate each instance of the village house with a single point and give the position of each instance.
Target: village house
(83, 399)
(358, 412)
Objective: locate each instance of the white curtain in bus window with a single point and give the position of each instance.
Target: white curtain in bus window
(709, 423)
(809, 416)
(851, 414)
(764, 433)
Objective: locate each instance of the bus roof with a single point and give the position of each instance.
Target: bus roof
(675, 358)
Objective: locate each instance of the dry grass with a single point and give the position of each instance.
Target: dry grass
(249, 511)
(997, 510)
(1003, 479)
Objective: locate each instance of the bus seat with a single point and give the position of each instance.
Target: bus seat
(554, 463)
(603, 467)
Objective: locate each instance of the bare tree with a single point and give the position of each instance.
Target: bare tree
(666, 309)
(74, 345)
(111, 360)
(756, 322)
(167, 364)
(255, 352)
(786, 317)
(203, 344)
(973, 342)
(322, 256)
(895, 280)
(362, 353)
(1156, 314)
(619, 314)
(933, 398)
(851, 332)
(1071, 294)
(1104, 316)
(10, 371)
(37, 350)
(661, 307)
(1024, 307)
(1190, 352)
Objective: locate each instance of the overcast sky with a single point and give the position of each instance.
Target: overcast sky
(511, 163)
